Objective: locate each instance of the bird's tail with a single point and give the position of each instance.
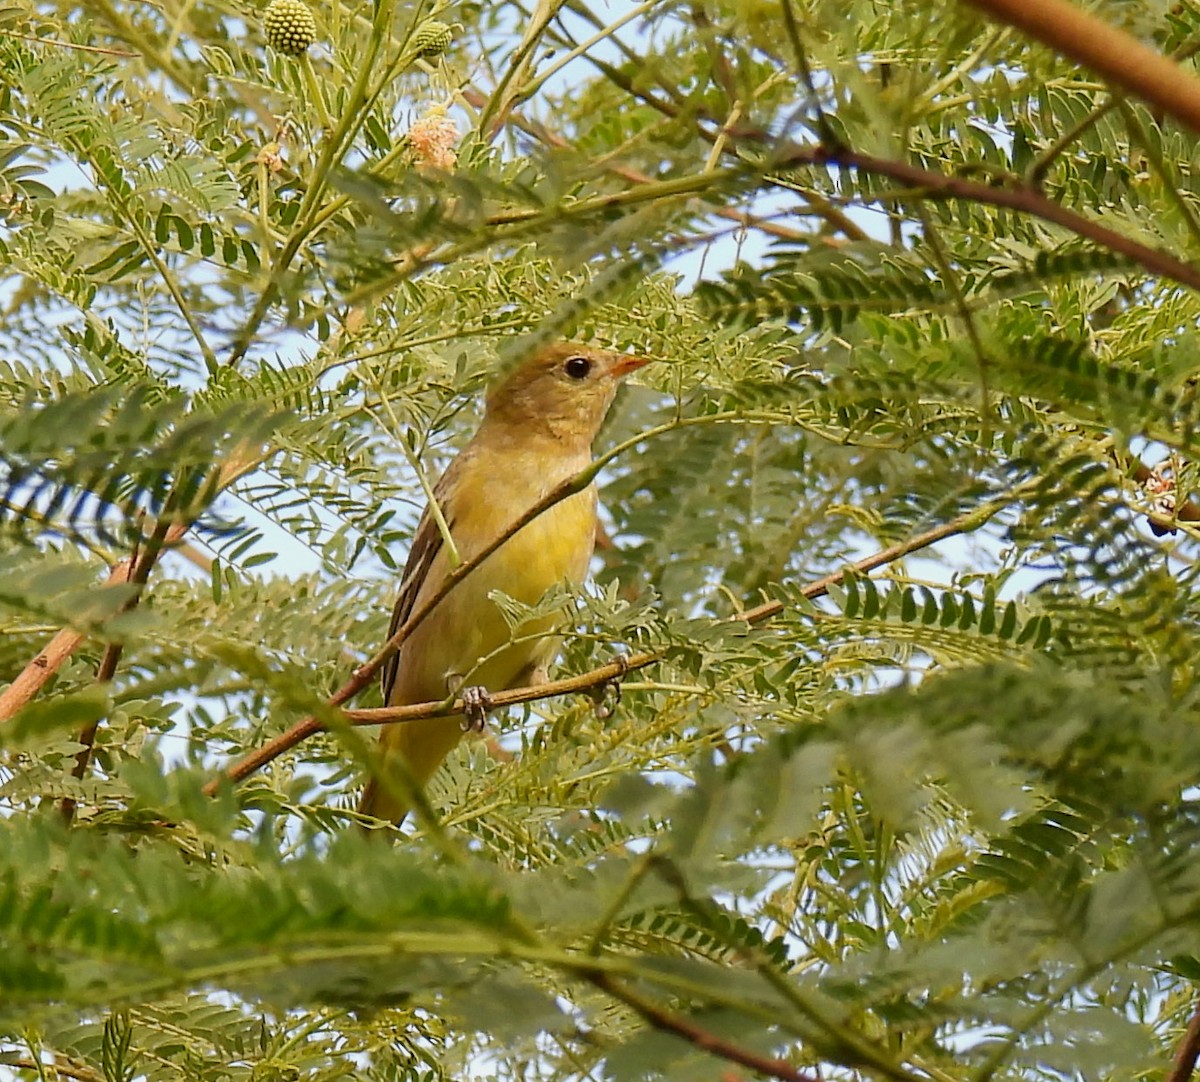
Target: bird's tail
(376, 803)
(421, 746)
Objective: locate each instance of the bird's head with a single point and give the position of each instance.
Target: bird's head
(564, 390)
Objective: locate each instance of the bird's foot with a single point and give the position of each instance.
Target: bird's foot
(606, 697)
(476, 705)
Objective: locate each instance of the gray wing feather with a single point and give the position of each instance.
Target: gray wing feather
(427, 543)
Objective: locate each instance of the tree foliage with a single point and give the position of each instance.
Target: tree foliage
(897, 776)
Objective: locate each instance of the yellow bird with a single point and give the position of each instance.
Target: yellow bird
(537, 432)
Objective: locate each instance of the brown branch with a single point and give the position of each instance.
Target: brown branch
(142, 564)
(545, 135)
(194, 556)
(583, 682)
(749, 221)
(818, 204)
(58, 1066)
(1189, 1050)
(365, 673)
(48, 660)
(1023, 198)
(682, 1026)
(54, 654)
(87, 736)
(1096, 44)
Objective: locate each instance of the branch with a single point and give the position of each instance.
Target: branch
(142, 564)
(58, 1066)
(683, 1027)
(818, 204)
(51, 657)
(552, 139)
(1025, 199)
(363, 675)
(588, 681)
(1096, 44)
(1189, 1049)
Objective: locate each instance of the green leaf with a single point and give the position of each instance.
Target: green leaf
(43, 720)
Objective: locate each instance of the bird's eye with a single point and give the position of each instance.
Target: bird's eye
(577, 367)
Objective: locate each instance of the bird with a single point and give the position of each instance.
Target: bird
(537, 431)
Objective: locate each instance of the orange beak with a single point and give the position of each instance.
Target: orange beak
(624, 365)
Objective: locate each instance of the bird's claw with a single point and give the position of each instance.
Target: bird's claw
(606, 697)
(476, 705)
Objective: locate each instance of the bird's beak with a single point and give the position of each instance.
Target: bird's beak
(623, 365)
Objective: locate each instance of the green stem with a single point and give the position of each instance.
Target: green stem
(332, 149)
(168, 279)
(314, 92)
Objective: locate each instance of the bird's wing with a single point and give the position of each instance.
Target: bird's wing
(427, 543)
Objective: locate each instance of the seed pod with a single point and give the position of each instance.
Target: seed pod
(432, 38)
(289, 26)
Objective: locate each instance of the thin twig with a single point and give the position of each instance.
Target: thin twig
(683, 1027)
(583, 682)
(59, 43)
(59, 1066)
(553, 139)
(1023, 198)
(945, 265)
(365, 673)
(1036, 173)
(53, 655)
(143, 563)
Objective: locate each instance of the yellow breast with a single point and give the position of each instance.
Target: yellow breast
(468, 625)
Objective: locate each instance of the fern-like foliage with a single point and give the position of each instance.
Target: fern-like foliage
(901, 783)
(98, 462)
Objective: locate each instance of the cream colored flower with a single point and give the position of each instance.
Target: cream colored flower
(431, 140)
